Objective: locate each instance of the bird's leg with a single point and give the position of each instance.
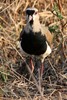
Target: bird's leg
(40, 75)
(42, 69)
(32, 65)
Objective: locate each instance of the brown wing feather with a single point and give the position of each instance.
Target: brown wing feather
(48, 34)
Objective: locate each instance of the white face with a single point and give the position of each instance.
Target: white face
(32, 14)
(35, 16)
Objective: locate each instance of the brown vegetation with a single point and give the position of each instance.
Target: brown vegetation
(14, 85)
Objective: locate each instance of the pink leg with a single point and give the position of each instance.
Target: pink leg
(42, 69)
(32, 65)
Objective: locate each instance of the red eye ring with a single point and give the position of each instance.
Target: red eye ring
(35, 13)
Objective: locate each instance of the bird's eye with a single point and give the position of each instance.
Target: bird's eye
(35, 13)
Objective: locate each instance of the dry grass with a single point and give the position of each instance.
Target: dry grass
(16, 86)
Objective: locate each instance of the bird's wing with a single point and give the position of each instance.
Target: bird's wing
(47, 33)
(20, 37)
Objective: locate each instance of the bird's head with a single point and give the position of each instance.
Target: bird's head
(32, 15)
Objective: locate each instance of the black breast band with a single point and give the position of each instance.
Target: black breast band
(34, 44)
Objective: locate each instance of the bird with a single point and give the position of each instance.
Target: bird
(35, 38)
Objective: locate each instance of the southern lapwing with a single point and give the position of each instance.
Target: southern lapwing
(35, 39)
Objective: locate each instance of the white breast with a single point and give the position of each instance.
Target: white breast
(48, 51)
